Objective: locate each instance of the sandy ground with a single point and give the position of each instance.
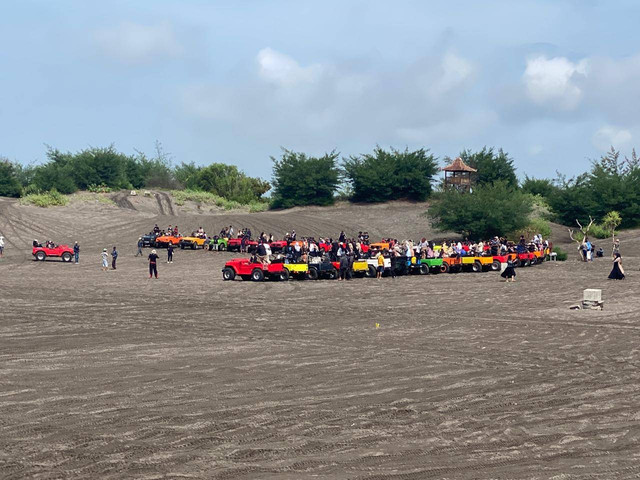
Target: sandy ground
(113, 375)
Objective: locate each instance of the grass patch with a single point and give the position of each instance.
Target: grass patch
(52, 198)
(91, 198)
(180, 197)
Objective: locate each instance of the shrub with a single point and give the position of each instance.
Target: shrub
(51, 198)
(561, 255)
(102, 188)
(302, 180)
(535, 226)
(487, 211)
(598, 231)
(90, 198)
(31, 188)
(180, 197)
(391, 175)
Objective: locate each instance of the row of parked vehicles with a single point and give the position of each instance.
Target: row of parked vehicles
(196, 242)
(250, 269)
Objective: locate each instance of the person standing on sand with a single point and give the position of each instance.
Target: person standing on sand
(153, 264)
(114, 257)
(170, 253)
(380, 269)
(617, 272)
(1, 246)
(105, 262)
(616, 248)
(140, 244)
(344, 266)
(76, 252)
(509, 272)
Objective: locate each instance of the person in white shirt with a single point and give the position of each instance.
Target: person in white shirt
(105, 260)
(1, 245)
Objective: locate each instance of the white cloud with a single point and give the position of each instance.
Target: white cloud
(609, 136)
(282, 70)
(555, 82)
(454, 73)
(135, 43)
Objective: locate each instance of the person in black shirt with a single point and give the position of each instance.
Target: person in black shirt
(153, 261)
(170, 253)
(114, 257)
(261, 252)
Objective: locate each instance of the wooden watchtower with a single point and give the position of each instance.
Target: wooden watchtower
(459, 175)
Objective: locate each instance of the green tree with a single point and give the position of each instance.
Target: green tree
(391, 175)
(302, 180)
(229, 182)
(187, 174)
(538, 186)
(492, 166)
(610, 222)
(489, 210)
(612, 184)
(9, 183)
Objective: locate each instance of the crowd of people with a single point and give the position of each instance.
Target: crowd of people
(345, 249)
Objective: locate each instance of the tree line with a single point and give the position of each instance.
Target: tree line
(498, 203)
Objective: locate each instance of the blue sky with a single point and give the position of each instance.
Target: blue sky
(554, 83)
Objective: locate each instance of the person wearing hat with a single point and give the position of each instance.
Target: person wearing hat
(153, 264)
(76, 251)
(140, 244)
(105, 261)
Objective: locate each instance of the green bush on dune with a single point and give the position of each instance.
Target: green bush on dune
(52, 198)
(180, 197)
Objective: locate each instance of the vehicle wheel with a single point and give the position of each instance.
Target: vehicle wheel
(517, 263)
(496, 266)
(332, 274)
(257, 275)
(526, 263)
(66, 257)
(228, 274)
(424, 269)
(312, 274)
(371, 272)
(222, 247)
(476, 267)
(444, 268)
(41, 256)
(283, 276)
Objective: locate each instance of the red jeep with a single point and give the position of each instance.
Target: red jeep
(278, 245)
(254, 271)
(525, 259)
(235, 244)
(61, 251)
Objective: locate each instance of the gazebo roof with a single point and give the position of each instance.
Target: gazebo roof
(458, 166)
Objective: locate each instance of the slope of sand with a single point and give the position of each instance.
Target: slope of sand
(113, 375)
